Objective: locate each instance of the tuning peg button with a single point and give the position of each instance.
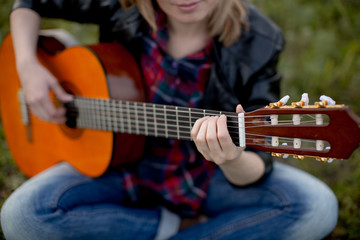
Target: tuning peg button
(277, 155)
(299, 157)
(322, 159)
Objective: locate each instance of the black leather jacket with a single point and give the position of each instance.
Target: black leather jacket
(244, 72)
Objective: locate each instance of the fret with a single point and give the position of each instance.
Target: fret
(212, 113)
(150, 120)
(101, 114)
(165, 123)
(97, 115)
(100, 108)
(196, 114)
(114, 115)
(190, 123)
(145, 120)
(128, 117)
(177, 123)
(171, 121)
(85, 114)
(118, 115)
(108, 115)
(184, 123)
(122, 117)
(160, 120)
(136, 119)
(97, 123)
(88, 115)
(155, 125)
(140, 107)
(133, 118)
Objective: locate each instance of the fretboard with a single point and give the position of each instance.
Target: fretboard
(141, 118)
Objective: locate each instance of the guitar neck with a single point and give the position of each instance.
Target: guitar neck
(298, 136)
(141, 118)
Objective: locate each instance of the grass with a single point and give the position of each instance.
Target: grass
(322, 56)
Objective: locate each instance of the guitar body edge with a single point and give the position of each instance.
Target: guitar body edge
(39, 145)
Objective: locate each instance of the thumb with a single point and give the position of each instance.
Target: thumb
(60, 93)
(239, 109)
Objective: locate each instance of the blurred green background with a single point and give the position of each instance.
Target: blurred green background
(322, 56)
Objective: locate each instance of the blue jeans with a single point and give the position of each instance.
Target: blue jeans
(61, 203)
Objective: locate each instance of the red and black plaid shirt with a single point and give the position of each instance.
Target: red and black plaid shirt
(172, 170)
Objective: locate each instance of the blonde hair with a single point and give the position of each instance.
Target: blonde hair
(226, 21)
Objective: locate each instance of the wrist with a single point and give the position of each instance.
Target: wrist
(26, 61)
(235, 161)
(246, 169)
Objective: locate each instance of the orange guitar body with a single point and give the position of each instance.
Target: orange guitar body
(100, 71)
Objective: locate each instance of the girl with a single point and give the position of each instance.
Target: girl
(195, 53)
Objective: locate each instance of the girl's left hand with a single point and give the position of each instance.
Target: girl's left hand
(213, 140)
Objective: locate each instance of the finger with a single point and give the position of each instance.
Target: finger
(200, 139)
(195, 129)
(59, 116)
(212, 138)
(59, 92)
(50, 112)
(39, 111)
(224, 137)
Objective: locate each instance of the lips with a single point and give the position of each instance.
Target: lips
(188, 7)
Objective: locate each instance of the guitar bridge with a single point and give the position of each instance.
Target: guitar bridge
(24, 112)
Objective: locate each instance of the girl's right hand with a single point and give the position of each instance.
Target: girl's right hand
(37, 82)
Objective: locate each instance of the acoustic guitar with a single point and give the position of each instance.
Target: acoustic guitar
(108, 120)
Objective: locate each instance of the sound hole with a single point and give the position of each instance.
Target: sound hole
(71, 115)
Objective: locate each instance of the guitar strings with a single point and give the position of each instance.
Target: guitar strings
(115, 112)
(185, 135)
(105, 117)
(173, 132)
(141, 118)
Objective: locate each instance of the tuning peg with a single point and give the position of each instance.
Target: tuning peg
(330, 160)
(325, 100)
(280, 103)
(303, 102)
(305, 98)
(285, 155)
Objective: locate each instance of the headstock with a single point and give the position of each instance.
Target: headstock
(324, 130)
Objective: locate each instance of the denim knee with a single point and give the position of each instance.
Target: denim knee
(15, 218)
(314, 201)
